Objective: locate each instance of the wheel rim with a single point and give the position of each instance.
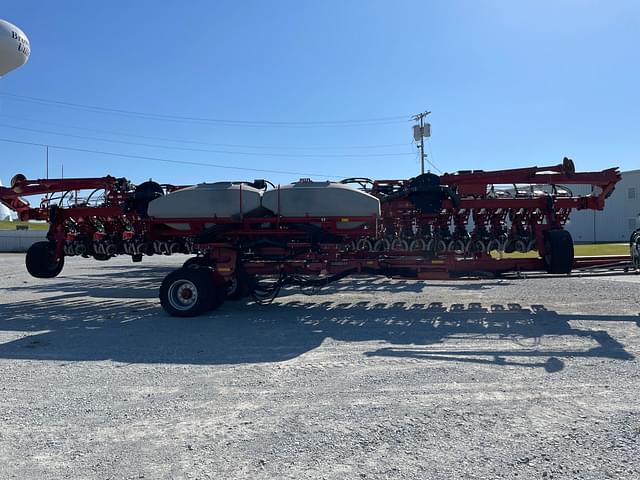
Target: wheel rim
(182, 295)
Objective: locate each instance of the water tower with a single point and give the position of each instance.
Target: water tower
(14, 47)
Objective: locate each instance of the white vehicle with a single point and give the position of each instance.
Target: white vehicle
(14, 47)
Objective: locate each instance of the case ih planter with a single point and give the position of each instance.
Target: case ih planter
(252, 238)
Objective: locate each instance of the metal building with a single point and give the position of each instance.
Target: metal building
(620, 217)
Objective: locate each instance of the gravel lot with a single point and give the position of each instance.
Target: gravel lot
(371, 378)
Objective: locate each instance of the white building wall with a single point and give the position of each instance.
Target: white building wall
(619, 217)
(582, 223)
(20, 240)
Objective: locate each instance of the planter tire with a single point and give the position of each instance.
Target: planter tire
(188, 292)
(40, 261)
(558, 246)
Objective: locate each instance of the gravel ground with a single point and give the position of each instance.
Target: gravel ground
(533, 378)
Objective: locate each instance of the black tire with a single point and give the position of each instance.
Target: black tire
(40, 262)
(219, 295)
(188, 292)
(241, 286)
(558, 246)
(509, 246)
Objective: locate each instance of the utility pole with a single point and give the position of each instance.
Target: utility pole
(419, 132)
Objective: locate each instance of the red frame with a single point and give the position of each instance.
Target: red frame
(303, 256)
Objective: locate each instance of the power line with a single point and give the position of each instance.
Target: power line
(196, 142)
(215, 121)
(168, 160)
(203, 150)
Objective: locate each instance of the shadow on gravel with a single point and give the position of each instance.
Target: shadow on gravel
(114, 314)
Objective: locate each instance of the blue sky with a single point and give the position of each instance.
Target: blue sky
(509, 84)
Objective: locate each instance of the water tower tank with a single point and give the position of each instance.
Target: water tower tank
(14, 47)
